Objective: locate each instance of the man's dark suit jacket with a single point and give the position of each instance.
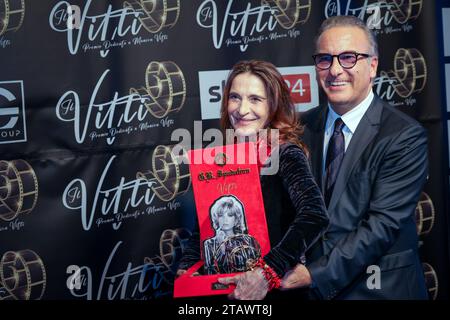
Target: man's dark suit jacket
(372, 207)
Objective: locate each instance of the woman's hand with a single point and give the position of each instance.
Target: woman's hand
(251, 285)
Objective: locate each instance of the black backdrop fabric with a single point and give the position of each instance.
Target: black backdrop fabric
(92, 202)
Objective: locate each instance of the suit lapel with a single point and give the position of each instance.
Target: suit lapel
(316, 145)
(367, 129)
(313, 136)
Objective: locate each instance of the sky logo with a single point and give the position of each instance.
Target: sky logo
(300, 80)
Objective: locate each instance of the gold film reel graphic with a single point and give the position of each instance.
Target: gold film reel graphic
(22, 275)
(165, 88)
(171, 248)
(425, 214)
(12, 14)
(405, 10)
(18, 189)
(155, 15)
(410, 72)
(431, 280)
(169, 171)
(290, 12)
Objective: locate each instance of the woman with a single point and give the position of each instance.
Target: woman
(257, 100)
(228, 221)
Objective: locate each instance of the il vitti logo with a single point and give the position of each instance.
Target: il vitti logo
(12, 14)
(405, 10)
(146, 279)
(155, 15)
(169, 173)
(431, 280)
(112, 28)
(290, 13)
(164, 90)
(410, 72)
(18, 189)
(243, 23)
(162, 95)
(22, 276)
(130, 198)
(377, 13)
(425, 215)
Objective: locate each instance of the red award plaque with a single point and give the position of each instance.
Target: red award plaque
(230, 211)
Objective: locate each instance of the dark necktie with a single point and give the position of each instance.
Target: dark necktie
(335, 154)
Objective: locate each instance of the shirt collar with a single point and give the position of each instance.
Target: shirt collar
(352, 118)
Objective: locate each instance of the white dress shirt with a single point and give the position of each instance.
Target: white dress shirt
(351, 120)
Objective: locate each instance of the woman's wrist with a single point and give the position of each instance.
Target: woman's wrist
(273, 280)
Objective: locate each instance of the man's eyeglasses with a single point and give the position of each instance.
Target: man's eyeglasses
(347, 60)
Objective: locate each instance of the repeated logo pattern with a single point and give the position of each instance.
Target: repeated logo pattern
(18, 189)
(290, 13)
(425, 215)
(165, 88)
(22, 275)
(170, 171)
(410, 72)
(163, 92)
(12, 14)
(156, 15)
(431, 281)
(405, 10)
(171, 247)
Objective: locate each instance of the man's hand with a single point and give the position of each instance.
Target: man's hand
(251, 285)
(299, 277)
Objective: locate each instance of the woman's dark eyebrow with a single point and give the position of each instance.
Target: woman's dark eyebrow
(257, 96)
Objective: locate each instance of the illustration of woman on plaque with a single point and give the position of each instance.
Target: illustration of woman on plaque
(231, 248)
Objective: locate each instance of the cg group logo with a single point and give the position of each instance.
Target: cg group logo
(382, 16)
(114, 28)
(300, 80)
(241, 23)
(408, 77)
(12, 14)
(12, 112)
(162, 95)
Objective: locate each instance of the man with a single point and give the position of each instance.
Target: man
(371, 163)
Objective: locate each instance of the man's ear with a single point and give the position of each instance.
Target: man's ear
(373, 67)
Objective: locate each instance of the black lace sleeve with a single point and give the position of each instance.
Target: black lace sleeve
(310, 217)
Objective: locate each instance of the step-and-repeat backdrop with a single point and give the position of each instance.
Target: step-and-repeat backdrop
(444, 28)
(94, 95)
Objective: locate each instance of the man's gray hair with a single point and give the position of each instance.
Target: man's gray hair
(349, 21)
